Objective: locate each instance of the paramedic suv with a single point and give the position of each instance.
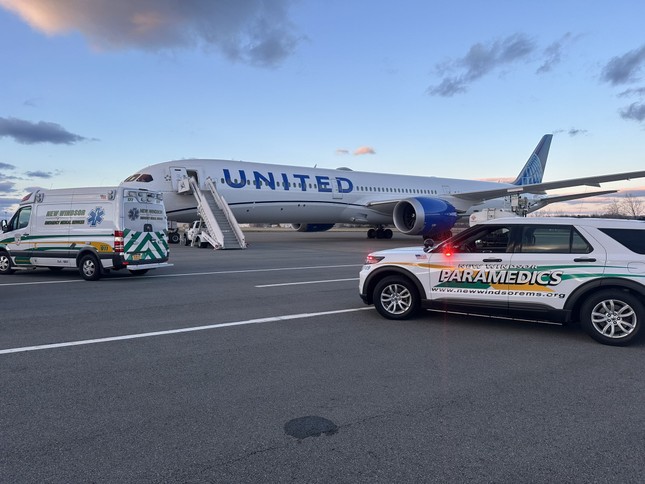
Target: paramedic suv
(551, 269)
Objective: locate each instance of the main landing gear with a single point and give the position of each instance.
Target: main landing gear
(379, 232)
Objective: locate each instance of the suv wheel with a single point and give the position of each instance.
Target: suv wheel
(612, 317)
(396, 297)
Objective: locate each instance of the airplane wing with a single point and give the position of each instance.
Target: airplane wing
(482, 195)
(543, 202)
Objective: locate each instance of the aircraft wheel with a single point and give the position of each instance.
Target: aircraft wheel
(387, 234)
(371, 234)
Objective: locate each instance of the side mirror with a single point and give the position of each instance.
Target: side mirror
(428, 244)
(3, 225)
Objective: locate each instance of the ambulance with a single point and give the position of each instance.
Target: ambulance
(94, 230)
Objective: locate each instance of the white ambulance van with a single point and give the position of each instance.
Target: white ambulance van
(92, 229)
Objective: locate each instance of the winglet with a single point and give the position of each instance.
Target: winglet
(533, 170)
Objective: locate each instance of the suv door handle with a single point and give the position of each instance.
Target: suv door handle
(584, 259)
(492, 260)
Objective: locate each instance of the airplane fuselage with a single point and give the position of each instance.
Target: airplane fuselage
(265, 193)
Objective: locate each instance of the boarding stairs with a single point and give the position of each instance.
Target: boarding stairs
(223, 230)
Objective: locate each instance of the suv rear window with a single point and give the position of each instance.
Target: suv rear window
(634, 240)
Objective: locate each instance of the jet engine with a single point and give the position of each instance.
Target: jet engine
(311, 227)
(424, 216)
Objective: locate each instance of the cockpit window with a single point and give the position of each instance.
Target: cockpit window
(139, 177)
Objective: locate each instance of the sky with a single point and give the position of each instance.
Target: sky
(93, 90)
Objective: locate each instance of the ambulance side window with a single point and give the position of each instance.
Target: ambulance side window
(20, 220)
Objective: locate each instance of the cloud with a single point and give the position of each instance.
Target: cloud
(257, 32)
(28, 133)
(624, 69)
(635, 111)
(576, 131)
(480, 60)
(364, 150)
(553, 53)
(6, 166)
(571, 131)
(41, 174)
(6, 186)
(639, 92)
(342, 151)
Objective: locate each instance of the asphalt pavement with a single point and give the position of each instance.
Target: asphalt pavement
(263, 365)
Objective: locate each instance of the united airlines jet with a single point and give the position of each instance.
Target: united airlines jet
(314, 199)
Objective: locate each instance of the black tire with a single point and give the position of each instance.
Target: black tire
(174, 238)
(139, 272)
(613, 317)
(387, 234)
(396, 297)
(89, 267)
(6, 264)
(371, 234)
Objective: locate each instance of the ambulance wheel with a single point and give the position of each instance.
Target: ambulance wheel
(613, 317)
(139, 273)
(90, 267)
(396, 297)
(5, 264)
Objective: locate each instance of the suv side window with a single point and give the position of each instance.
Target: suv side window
(552, 239)
(490, 239)
(634, 240)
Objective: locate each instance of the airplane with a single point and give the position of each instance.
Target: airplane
(315, 199)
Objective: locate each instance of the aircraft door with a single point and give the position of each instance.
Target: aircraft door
(177, 174)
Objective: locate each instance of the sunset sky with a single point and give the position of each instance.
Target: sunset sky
(93, 90)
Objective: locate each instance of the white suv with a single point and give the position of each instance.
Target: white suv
(542, 268)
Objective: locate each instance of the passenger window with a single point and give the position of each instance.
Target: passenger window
(553, 239)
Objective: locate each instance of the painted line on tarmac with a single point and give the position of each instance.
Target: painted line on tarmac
(272, 319)
(38, 282)
(245, 271)
(307, 282)
(186, 274)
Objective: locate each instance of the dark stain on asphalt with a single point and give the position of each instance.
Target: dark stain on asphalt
(310, 426)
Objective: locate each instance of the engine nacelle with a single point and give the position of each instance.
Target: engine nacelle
(311, 227)
(424, 216)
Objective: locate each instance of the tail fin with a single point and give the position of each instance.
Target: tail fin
(533, 170)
